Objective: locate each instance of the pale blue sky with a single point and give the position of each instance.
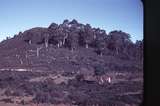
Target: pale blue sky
(20, 15)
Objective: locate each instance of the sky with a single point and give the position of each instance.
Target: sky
(21, 15)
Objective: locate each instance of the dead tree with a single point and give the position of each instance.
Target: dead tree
(46, 39)
(38, 50)
(64, 39)
(19, 58)
(30, 42)
(88, 35)
(87, 45)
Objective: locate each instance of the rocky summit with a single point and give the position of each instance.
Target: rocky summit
(71, 64)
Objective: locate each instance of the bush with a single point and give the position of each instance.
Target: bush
(7, 100)
(79, 77)
(99, 70)
(8, 92)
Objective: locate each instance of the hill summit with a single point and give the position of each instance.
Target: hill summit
(60, 44)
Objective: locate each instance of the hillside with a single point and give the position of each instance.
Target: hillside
(72, 62)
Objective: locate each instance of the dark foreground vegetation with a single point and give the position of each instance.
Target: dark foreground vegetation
(81, 93)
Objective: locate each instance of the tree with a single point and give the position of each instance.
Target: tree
(46, 39)
(53, 26)
(100, 46)
(52, 38)
(20, 33)
(38, 50)
(86, 36)
(71, 37)
(64, 38)
(73, 22)
(118, 40)
(99, 42)
(60, 36)
(64, 31)
(73, 40)
(8, 37)
(81, 38)
(28, 37)
(139, 49)
(66, 21)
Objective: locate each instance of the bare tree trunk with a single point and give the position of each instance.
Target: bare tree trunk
(72, 49)
(116, 50)
(30, 42)
(94, 36)
(26, 56)
(46, 42)
(101, 80)
(38, 49)
(37, 52)
(87, 45)
(21, 61)
(101, 54)
(58, 45)
(64, 39)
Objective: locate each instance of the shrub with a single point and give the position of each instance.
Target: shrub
(99, 70)
(8, 92)
(79, 77)
(7, 100)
